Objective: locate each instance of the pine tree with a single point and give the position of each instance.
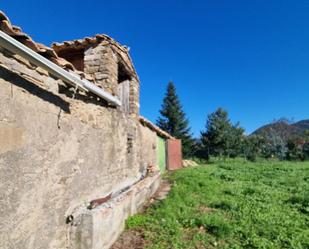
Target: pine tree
(173, 119)
(220, 137)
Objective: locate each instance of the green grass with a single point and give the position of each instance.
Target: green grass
(231, 204)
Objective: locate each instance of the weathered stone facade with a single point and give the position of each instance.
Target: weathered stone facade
(106, 63)
(58, 153)
(102, 64)
(62, 149)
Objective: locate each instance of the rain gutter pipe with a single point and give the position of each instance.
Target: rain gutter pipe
(15, 46)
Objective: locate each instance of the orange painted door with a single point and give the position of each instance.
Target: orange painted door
(174, 154)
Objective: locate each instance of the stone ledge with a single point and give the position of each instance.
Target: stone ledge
(100, 227)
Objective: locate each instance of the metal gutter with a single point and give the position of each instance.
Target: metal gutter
(15, 46)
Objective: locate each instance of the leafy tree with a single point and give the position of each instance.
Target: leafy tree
(295, 149)
(298, 147)
(252, 146)
(198, 151)
(220, 137)
(173, 119)
(306, 145)
(306, 135)
(275, 145)
(306, 150)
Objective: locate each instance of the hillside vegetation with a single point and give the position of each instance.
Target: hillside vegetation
(284, 129)
(230, 204)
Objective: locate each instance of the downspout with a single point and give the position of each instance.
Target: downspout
(16, 47)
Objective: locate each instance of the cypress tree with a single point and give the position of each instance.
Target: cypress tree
(173, 119)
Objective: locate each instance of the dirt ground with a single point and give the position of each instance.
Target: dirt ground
(130, 239)
(134, 238)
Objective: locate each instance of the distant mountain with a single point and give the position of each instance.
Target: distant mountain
(283, 129)
(302, 125)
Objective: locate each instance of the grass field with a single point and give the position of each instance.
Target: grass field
(231, 204)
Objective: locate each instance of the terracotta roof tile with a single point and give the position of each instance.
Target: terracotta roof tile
(52, 53)
(82, 43)
(16, 33)
(155, 128)
(122, 51)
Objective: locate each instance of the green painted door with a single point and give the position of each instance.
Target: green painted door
(161, 152)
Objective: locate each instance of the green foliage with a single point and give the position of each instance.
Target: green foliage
(285, 140)
(306, 151)
(173, 119)
(220, 137)
(306, 145)
(136, 221)
(235, 139)
(232, 204)
(275, 145)
(217, 226)
(295, 150)
(252, 147)
(300, 202)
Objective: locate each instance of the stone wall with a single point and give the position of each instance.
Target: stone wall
(100, 227)
(57, 154)
(107, 65)
(134, 97)
(101, 63)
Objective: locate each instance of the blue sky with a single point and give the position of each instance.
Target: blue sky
(249, 57)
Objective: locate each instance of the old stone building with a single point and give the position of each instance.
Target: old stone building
(107, 64)
(76, 157)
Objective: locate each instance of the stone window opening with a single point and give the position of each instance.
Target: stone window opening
(123, 74)
(74, 56)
